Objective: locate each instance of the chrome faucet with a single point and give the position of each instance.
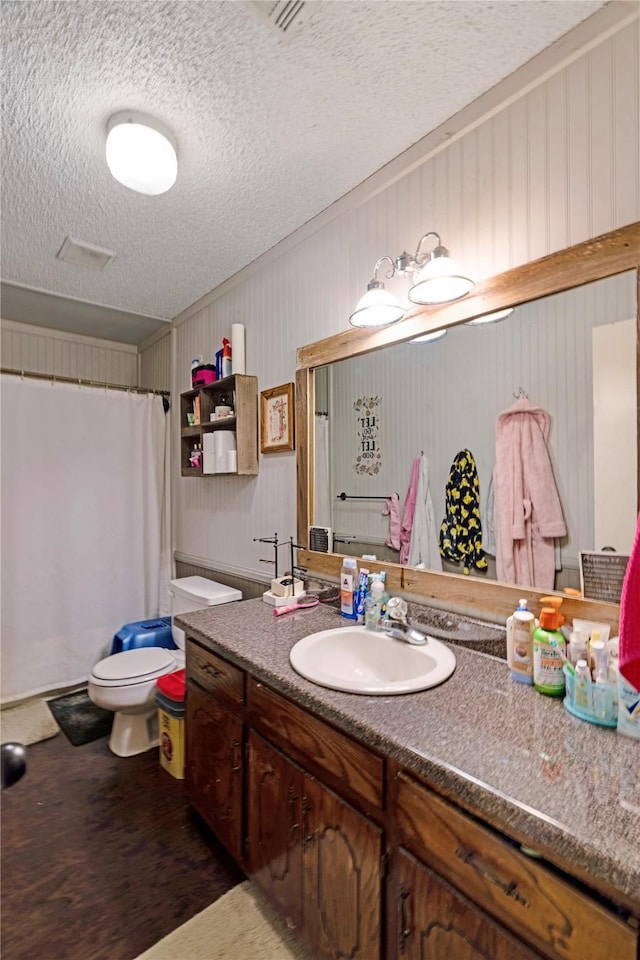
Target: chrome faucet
(398, 626)
(403, 631)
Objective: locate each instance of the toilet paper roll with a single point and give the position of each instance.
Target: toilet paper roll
(223, 442)
(227, 462)
(237, 348)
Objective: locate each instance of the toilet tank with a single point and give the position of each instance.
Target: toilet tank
(196, 593)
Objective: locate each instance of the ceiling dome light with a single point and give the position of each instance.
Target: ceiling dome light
(141, 153)
(490, 317)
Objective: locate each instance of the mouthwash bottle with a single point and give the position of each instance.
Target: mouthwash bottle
(548, 676)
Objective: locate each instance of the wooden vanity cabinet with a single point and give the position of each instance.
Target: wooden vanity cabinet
(435, 922)
(274, 842)
(316, 858)
(214, 771)
(360, 857)
(527, 897)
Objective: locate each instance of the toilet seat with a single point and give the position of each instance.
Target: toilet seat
(133, 666)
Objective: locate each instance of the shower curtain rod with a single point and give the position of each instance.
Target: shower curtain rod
(82, 383)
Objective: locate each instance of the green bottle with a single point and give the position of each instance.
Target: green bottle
(548, 675)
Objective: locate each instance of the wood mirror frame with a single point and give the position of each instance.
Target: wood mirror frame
(604, 256)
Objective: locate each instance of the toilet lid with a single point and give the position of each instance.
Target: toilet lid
(144, 663)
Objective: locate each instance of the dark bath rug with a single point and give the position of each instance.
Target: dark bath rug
(79, 718)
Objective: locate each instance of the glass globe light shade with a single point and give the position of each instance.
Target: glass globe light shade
(141, 153)
(429, 337)
(490, 317)
(441, 280)
(376, 308)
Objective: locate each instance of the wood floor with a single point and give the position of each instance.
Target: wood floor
(101, 857)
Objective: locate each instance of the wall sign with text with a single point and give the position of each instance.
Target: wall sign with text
(369, 456)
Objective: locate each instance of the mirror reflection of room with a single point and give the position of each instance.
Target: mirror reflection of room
(434, 454)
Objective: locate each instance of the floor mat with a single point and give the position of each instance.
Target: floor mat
(79, 718)
(241, 925)
(27, 723)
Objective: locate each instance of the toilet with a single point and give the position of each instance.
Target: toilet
(126, 682)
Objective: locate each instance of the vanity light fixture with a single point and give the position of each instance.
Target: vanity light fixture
(377, 307)
(490, 317)
(436, 279)
(141, 153)
(429, 337)
(440, 279)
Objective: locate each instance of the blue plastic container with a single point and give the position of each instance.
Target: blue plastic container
(144, 633)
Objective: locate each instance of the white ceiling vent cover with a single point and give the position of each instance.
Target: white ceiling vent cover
(84, 254)
(285, 17)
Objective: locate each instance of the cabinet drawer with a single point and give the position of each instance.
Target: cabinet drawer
(313, 743)
(214, 674)
(540, 907)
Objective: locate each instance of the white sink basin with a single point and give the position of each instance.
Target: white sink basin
(356, 660)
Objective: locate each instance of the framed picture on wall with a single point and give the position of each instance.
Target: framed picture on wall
(277, 419)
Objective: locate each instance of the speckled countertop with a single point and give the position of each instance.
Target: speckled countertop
(567, 788)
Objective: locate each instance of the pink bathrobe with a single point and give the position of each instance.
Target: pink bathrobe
(527, 511)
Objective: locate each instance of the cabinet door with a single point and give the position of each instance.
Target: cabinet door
(436, 923)
(341, 877)
(274, 808)
(214, 766)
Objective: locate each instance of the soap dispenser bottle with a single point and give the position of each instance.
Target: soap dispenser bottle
(520, 628)
(548, 673)
(373, 602)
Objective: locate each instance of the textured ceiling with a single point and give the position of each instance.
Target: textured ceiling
(270, 130)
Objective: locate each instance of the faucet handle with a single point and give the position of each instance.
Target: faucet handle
(397, 609)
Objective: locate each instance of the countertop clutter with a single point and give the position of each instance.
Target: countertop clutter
(567, 789)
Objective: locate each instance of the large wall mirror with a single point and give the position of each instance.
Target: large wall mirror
(569, 347)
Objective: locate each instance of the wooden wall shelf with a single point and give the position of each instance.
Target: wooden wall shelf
(237, 391)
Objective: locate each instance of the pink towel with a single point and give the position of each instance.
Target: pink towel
(629, 661)
(392, 510)
(408, 511)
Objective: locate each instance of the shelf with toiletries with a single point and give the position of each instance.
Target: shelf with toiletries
(219, 428)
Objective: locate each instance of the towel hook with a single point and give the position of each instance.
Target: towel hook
(520, 393)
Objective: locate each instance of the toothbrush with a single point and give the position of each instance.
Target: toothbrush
(299, 605)
(570, 667)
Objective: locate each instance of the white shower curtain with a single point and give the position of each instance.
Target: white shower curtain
(83, 507)
(322, 506)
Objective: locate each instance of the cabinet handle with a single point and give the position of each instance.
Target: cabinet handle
(293, 819)
(307, 837)
(405, 929)
(481, 868)
(237, 765)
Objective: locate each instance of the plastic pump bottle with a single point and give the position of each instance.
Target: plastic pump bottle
(226, 357)
(520, 627)
(348, 588)
(548, 674)
(373, 603)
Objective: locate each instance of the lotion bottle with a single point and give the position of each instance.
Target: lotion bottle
(348, 588)
(520, 628)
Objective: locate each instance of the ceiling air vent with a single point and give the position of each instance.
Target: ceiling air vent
(285, 17)
(84, 254)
